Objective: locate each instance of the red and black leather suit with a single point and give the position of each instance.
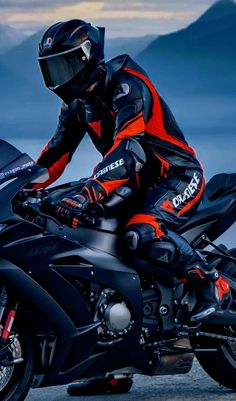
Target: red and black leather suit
(141, 145)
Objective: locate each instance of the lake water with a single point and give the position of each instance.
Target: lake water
(217, 156)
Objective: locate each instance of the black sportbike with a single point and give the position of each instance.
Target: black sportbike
(74, 306)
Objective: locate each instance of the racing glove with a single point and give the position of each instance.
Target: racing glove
(70, 208)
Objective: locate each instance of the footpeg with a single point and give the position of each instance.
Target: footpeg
(203, 314)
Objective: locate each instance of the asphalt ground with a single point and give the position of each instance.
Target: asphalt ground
(194, 386)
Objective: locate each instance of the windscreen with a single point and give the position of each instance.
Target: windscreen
(12, 161)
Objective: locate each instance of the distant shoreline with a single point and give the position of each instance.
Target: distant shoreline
(195, 133)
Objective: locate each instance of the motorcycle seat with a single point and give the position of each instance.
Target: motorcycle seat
(212, 211)
(220, 184)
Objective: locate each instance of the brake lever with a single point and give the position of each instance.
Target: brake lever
(44, 215)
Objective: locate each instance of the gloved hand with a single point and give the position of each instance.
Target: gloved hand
(70, 208)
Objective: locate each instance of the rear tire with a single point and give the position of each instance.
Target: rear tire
(100, 386)
(16, 380)
(228, 268)
(219, 365)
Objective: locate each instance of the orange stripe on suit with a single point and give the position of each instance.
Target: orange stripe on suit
(147, 219)
(133, 127)
(155, 124)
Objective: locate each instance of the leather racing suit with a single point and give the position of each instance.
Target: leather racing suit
(140, 142)
(143, 147)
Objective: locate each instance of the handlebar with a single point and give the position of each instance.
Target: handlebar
(41, 205)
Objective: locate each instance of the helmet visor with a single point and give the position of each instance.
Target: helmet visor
(60, 68)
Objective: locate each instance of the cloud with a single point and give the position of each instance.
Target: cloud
(156, 17)
(159, 5)
(95, 10)
(111, 5)
(34, 4)
(130, 27)
(191, 7)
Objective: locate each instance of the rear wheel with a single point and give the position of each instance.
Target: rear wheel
(229, 267)
(16, 380)
(221, 364)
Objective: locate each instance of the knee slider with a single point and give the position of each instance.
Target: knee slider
(138, 235)
(163, 252)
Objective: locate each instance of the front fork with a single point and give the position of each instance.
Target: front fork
(8, 342)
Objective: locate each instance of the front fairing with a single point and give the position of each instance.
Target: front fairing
(16, 171)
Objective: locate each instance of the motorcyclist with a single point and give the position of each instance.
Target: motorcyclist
(141, 146)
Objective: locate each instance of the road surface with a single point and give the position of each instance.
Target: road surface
(194, 386)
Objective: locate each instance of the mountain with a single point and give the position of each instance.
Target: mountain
(132, 46)
(194, 69)
(22, 61)
(24, 56)
(222, 8)
(27, 107)
(23, 97)
(197, 63)
(9, 37)
(202, 56)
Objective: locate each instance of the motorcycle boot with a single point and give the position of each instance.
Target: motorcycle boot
(178, 257)
(212, 289)
(172, 253)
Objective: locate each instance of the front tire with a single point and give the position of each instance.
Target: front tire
(16, 380)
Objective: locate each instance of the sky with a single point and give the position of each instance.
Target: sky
(120, 17)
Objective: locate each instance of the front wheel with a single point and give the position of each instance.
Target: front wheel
(16, 380)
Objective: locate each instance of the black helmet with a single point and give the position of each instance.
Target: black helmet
(69, 54)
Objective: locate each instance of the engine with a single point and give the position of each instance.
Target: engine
(115, 316)
(151, 305)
